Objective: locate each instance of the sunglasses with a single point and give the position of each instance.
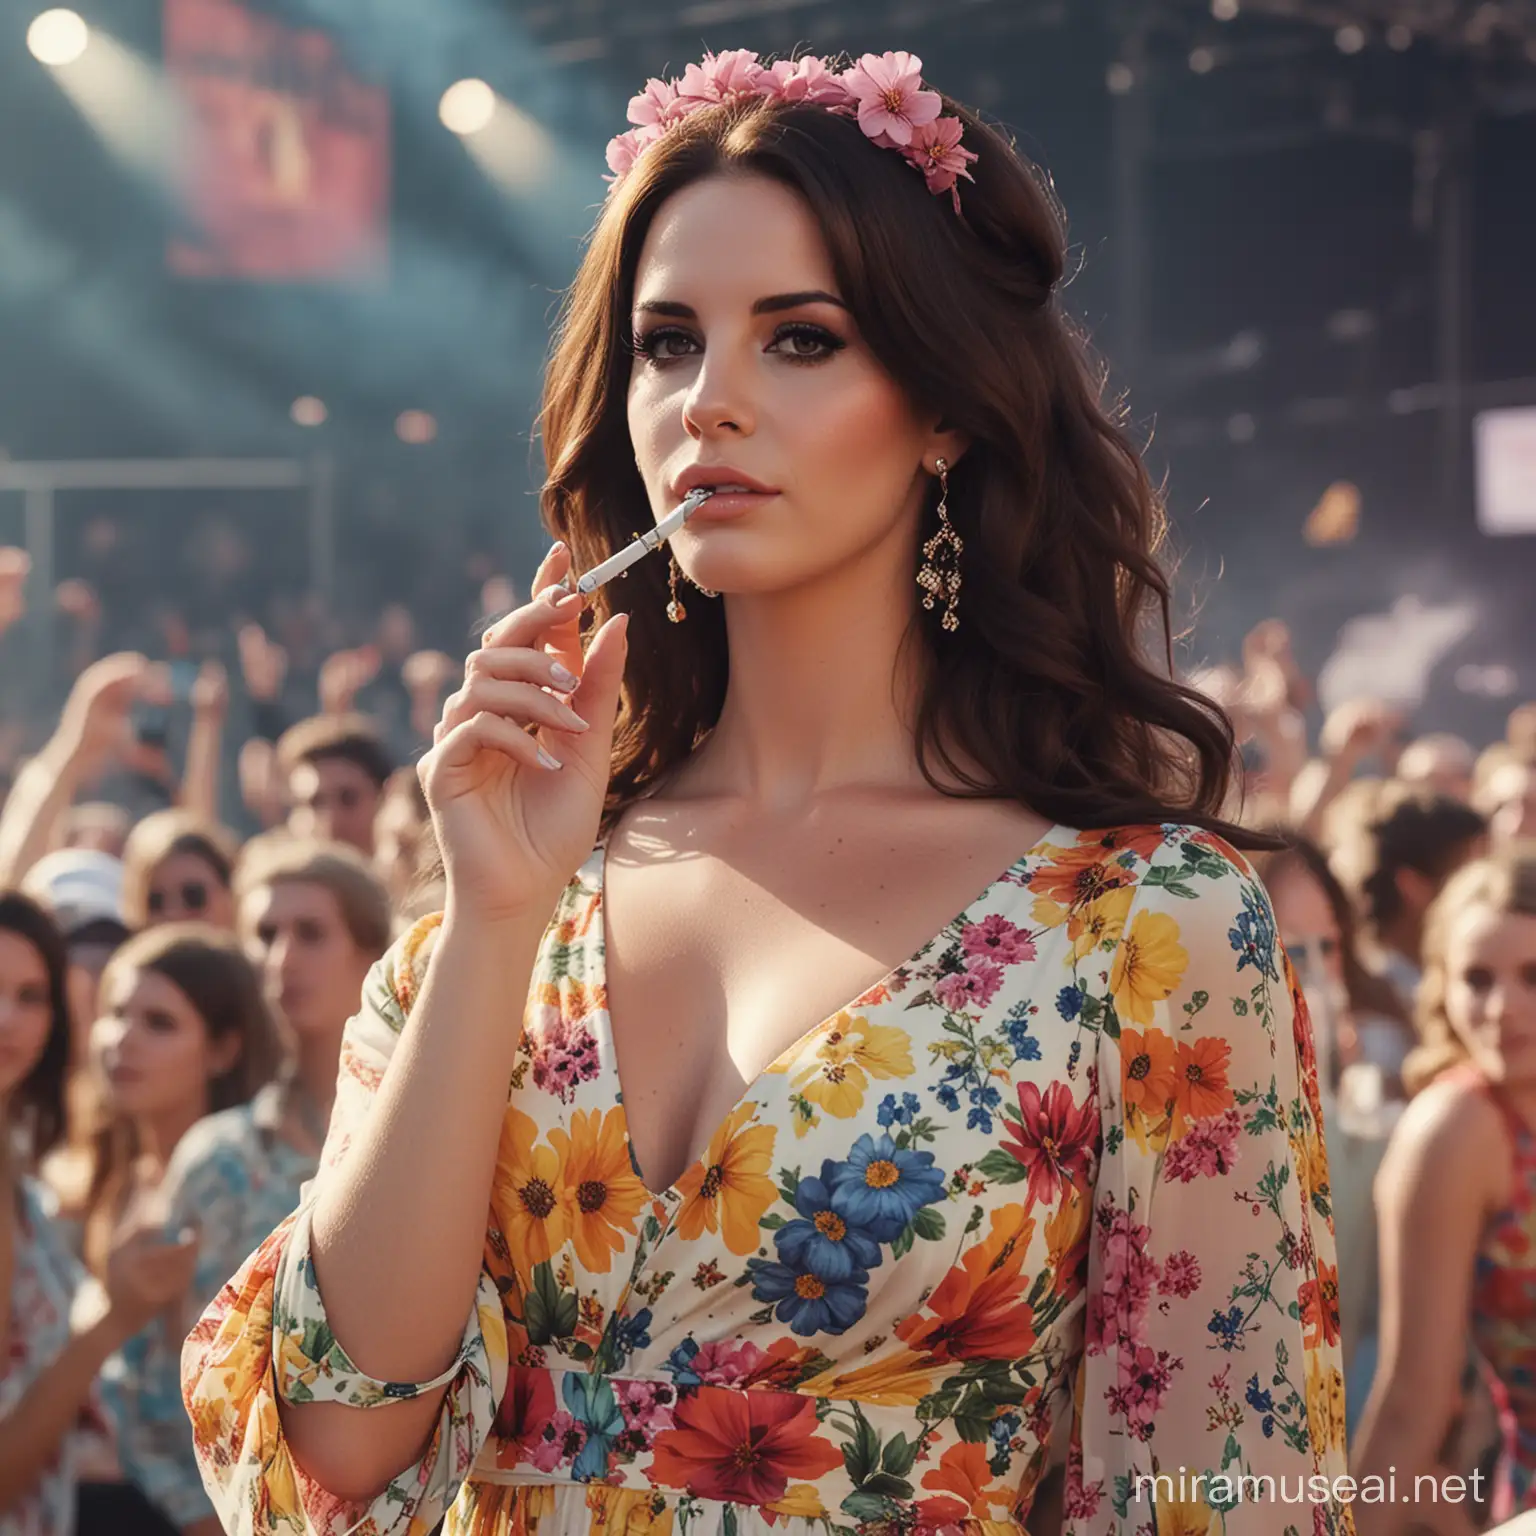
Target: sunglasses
(193, 893)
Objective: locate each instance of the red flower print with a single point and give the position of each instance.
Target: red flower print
(1208, 1150)
(1143, 841)
(1117, 1315)
(1145, 1376)
(742, 1447)
(527, 1405)
(997, 938)
(1054, 1141)
(1319, 1301)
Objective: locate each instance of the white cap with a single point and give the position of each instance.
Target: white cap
(79, 886)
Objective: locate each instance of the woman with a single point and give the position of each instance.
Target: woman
(1346, 1002)
(861, 1271)
(183, 1033)
(1456, 1195)
(50, 1417)
(177, 870)
(313, 919)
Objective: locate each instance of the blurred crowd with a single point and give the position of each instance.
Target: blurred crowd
(187, 917)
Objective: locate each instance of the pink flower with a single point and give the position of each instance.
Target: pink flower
(975, 986)
(624, 149)
(1209, 1149)
(889, 92)
(806, 79)
(1117, 1315)
(735, 72)
(656, 105)
(935, 150)
(996, 937)
(727, 1362)
(1145, 1376)
(1181, 1275)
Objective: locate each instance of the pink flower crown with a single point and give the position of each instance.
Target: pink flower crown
(884, 92)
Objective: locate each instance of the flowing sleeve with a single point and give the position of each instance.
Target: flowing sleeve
(1210, 1394)
(265, 1338)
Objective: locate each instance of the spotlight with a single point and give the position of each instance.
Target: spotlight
(308, 411)
(1224, 10)
(1349, 39)
(1119, 79)
(1202, 61)
(415, 427)
(57, 37)
(467, 106)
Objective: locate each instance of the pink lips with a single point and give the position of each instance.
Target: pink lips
(727, 504)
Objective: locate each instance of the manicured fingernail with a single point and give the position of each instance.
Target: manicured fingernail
(548, 761)
(557, 546)
(564, 677)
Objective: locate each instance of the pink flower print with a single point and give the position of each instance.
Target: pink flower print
(1117, 1315)
(735, 72)
(727, 1363)
(889, 92)
(655, 106)
(563, 1056)
(936, 151)
(560, 1444)
(1145, 1376)
(1209, 1149)
(647, 1407)
(807, 79)
(994, 935)
(974, 987)
(1181, 1275)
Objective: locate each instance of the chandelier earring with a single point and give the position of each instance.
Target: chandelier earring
(939, 575)
(675, 610)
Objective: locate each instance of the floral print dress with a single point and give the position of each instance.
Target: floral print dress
(1053, 1190)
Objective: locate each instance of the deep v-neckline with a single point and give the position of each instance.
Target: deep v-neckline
(598, 933)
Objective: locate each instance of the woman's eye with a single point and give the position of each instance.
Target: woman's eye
(656, 346)
(1478, 979)
(806, 343)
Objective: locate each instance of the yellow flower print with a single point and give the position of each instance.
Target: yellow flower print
(851, 1051)
(729, 1188)
(1064, 1231)
(1149, 964)
(800, 1501)
(899, 1380)
(1100, 922)
(1182, 1517)
(1325, 1401)
(603, 1193)
(280, 1488)
(527, 1198)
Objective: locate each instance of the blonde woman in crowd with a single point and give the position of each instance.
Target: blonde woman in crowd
(1456, 1200)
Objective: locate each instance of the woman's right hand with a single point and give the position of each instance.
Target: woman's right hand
(512, 830)
(146, 1274)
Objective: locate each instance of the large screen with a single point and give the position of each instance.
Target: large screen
(1506, 470)
(285, 153)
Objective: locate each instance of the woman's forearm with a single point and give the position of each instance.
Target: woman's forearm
(42, 792)
(399, 1227)
(1398, 1443)
(200, 778)
(30, 1433)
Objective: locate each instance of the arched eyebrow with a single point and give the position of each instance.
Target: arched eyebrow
(769, 306)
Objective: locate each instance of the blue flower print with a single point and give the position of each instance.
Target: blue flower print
(826, 1242)
(1253, 939)
(806, 1302)
(679, 1364)
(592, 1403)
(881, 1187)
(892, 1113)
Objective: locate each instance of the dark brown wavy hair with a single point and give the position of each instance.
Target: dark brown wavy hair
(38, 1104)
(1049, 684)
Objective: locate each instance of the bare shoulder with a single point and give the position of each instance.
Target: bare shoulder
(1449, 1142)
